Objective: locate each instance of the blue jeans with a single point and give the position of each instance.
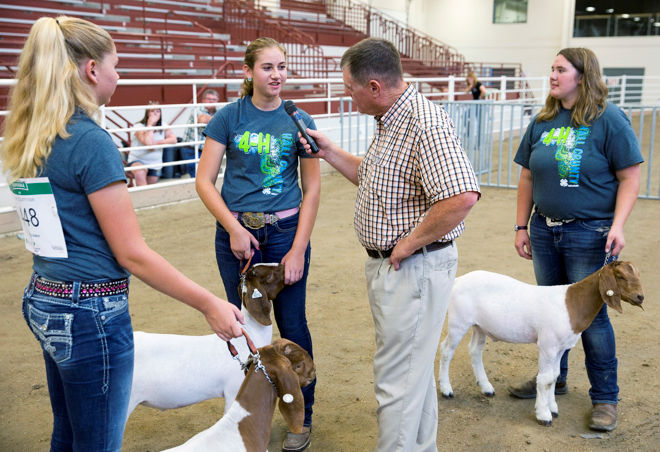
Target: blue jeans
(171, 154)
(289, 306)
(88, 349)
(188, 153)
(566, 254)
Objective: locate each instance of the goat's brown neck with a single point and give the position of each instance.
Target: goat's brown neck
(258, 397)
(583, 301)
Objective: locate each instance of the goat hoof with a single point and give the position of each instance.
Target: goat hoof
(489, 394)
(448, 396)
(545, 423)
(555, 414)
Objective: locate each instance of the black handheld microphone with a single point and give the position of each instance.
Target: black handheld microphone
(292, 111)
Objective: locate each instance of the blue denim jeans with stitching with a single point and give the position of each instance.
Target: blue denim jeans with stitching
(88, 350)
(275, 241)
(566, 254)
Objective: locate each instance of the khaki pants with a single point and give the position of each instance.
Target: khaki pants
(408, 308)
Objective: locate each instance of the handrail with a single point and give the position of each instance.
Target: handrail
(203, 88)
(254, 22)
(128, 123)
(409, 42)
(203, 27)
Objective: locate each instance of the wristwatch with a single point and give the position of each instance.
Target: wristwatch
(518, 228)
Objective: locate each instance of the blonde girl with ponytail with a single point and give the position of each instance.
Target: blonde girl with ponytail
(81, 228)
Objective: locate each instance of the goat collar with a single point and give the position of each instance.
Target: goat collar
(258, 366)
(254, 358)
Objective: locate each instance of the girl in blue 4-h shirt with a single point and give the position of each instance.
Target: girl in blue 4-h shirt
(261, 208)
(580, 173)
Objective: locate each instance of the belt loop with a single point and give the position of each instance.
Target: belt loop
(75, 292)
(30, 288)
(424, 250)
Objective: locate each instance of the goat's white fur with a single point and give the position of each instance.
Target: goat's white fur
(508, 310)
(172, 370)
(552, 316)
(222, 436)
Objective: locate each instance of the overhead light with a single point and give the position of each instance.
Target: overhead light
(636, 19)
(625, 16)
(609, 11)
(656, 24)
(590, 9)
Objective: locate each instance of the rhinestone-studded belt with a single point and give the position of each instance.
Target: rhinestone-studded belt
(87, 290)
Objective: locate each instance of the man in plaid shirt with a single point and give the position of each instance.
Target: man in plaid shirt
(415, 188)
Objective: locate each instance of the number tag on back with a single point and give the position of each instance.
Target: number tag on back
(36, 208)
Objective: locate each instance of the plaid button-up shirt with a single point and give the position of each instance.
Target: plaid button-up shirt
(414, 160)
(189, 135)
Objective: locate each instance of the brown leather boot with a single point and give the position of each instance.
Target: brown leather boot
(603, 417)
(297, 442)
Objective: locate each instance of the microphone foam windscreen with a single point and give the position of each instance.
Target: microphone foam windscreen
(289, 106)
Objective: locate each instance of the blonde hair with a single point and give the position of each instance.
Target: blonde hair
(472, 75)
(251, 55)
(48, 90)
(592, 91)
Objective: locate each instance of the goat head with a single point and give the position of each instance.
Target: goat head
(301, 362)
(619, 280)
(286, 380)
(261, 285)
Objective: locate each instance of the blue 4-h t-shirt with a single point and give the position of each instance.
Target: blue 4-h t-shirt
(262, 151)
(574, 168)
(83, 163)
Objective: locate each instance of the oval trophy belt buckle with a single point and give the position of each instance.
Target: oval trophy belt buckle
(253, 220)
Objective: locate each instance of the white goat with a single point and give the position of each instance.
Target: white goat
(172, 370)
(552, 316)
(247, 424)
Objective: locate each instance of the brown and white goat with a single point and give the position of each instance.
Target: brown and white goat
(246, 425)
(174, 370)
(552, 316)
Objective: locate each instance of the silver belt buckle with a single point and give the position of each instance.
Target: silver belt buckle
(551, 223)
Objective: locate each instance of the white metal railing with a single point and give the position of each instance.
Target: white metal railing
(509, 105)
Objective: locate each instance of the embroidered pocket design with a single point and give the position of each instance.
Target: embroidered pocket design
(53, 331)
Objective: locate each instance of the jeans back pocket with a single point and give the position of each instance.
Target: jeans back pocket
(113, 306)
(53, 331)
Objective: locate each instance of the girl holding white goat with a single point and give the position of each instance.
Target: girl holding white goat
(69, 181)
(580, 172)
(265, 207)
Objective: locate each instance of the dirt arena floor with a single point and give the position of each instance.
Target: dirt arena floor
(342, 329)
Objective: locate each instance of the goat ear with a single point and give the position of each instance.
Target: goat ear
(294, 411)
(609, 289)
(259, 307)
(286, 347)
(274, 282)
(270, 277)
